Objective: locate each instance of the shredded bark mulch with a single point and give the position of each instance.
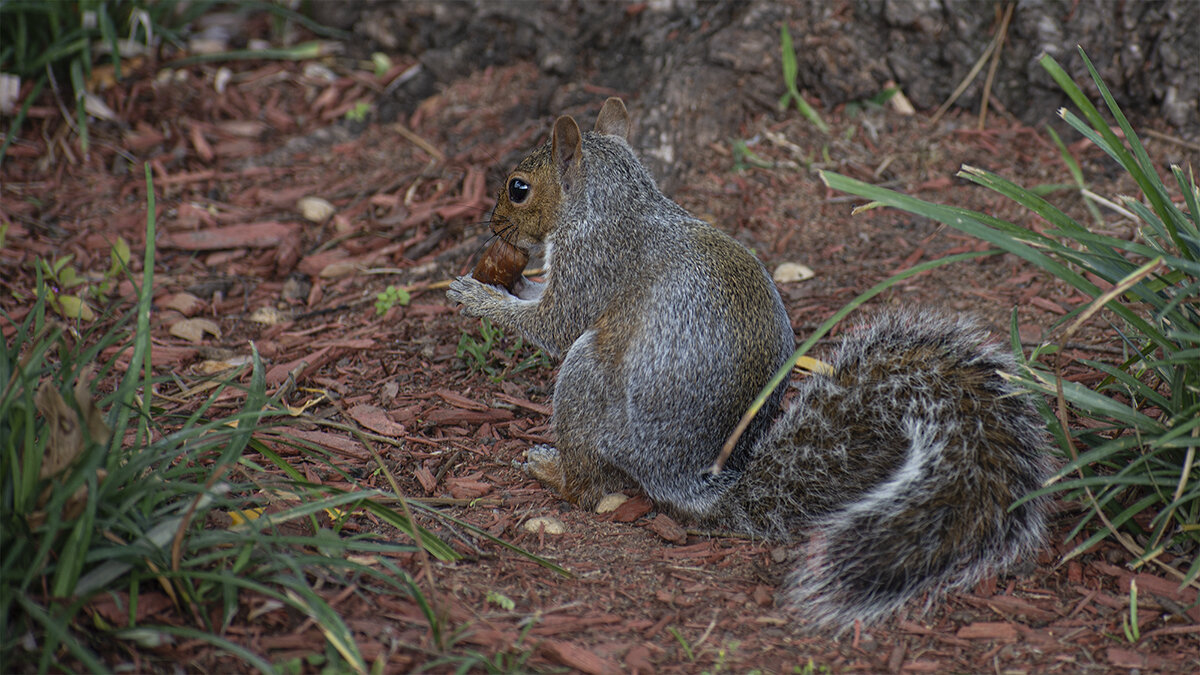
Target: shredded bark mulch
(410, 202)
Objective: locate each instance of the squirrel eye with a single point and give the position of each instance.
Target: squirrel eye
(518, 190)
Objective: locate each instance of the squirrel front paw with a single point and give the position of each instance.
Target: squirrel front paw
(473, 295)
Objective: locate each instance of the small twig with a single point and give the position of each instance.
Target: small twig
(1171, 139)
(966, 82)
(1080, 346)
(419, 142)
(991, 76)
(397, 443)
(482, 502)
(446, 466)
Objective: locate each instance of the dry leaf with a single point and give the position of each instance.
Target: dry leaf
(237, 517)
(789, 272)
(97, 428)
(66, 436)
(340, 268)
(211, 367)
(72, 307)
(193, 330)
(184, 303)
(269, 316)
(66, 440)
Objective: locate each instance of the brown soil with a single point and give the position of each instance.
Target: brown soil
(411, 204)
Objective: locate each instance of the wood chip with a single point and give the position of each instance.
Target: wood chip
(339, 443)
(668, 529)
(469, 488)
(988, 630)
(376, 419)
(426, 478)
(459, 401)
(473, 417)
(579, 658)
(250, 235)
(632, 510)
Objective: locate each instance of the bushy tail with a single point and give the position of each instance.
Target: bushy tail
(899, 468)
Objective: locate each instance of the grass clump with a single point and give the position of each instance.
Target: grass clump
(107, 501)
(1131, 451)
(790, 71)
(494, 354)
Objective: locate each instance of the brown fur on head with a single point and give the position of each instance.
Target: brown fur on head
(529, 204)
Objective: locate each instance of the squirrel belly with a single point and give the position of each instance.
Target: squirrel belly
(900, 468)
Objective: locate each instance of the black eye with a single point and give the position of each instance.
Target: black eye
(518, 190)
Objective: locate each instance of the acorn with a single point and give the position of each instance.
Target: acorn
(501, 265)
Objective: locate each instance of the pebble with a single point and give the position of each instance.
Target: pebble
(551, 524)
(609, 503)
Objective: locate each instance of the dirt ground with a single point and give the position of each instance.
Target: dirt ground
(411, 201)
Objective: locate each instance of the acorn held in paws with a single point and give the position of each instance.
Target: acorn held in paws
(501, 265)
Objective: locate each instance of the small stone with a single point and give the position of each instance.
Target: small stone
(549, 524)
(315, 209)
(609, 503)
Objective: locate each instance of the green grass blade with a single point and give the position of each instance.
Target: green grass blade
(57, 632)
(251, 659)
(1148, 179)
(1133, 386)
(966, 222)
(1076, 174)
(1188, 188)
(330, 623)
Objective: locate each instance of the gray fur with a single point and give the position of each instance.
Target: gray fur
(668, 329)
(953, 445)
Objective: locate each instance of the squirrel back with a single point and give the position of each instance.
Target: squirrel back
(898, 470)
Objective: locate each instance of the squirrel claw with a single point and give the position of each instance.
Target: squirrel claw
(474, 295)
(545, 464)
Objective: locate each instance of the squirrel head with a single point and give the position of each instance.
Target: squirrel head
(529, 204)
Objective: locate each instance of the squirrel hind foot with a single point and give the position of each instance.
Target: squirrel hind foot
(545, 464)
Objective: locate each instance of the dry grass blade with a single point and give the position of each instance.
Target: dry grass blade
(1001, 36)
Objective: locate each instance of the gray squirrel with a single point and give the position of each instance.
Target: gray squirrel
(896, 471)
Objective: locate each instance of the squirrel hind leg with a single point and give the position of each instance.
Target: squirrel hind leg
(545, 464)
(575, 479)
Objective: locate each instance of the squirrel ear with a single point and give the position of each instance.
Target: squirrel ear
(566, 147)
(613, 119)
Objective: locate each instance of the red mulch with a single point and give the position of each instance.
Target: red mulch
(411, 202)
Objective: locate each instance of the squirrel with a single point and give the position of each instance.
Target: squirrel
(896, 472)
